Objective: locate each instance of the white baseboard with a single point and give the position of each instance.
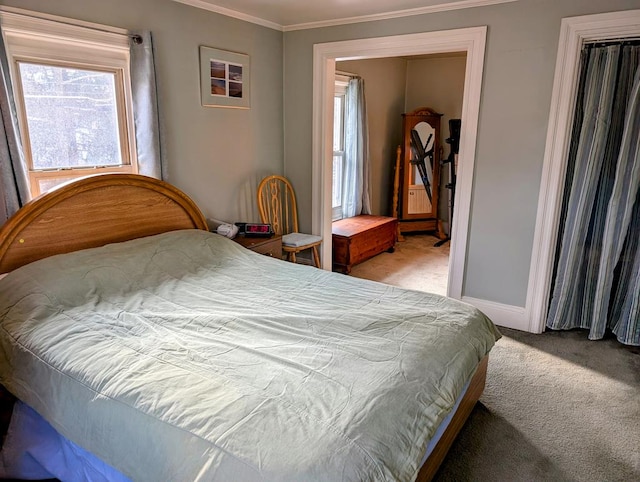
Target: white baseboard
(502, 315)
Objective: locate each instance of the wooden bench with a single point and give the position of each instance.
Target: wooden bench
(360, 238)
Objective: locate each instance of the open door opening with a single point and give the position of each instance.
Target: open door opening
(472, 42)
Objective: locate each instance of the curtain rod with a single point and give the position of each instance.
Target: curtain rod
(613, 41)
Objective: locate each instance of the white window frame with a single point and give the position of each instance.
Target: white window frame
(341, 84)
(61, 44)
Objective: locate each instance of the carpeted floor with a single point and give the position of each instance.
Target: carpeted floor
(415, 264)
(557, 406)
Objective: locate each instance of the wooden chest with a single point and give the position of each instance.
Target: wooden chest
(362, 237)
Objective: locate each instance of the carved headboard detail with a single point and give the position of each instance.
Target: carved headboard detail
(92, 212)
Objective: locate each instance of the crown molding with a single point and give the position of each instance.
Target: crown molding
(231, 13)
(445, 7)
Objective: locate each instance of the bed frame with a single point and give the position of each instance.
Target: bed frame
(110, 208)
(92, 212)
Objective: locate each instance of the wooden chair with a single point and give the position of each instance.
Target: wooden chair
(277, 206)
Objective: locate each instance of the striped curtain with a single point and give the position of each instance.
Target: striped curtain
(596, 282)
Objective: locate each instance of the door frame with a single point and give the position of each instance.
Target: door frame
(470, 40)
(574, 32)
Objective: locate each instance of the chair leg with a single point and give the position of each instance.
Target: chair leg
(316, 257)
(293, 257)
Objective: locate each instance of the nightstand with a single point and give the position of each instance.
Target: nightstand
(269, 246)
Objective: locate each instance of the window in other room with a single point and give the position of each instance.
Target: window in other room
(341, 84)
(73, 98)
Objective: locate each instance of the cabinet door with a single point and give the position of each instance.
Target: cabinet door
(418, 202)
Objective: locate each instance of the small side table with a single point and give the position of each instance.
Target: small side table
(268, 246)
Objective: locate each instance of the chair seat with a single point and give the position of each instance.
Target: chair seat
(297, 240)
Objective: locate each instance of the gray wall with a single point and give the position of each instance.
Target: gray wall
(522, 43)
(215, 155)
(397, 85)
(438, 82)
(385, 81)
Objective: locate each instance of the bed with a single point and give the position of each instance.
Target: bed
(171, 353)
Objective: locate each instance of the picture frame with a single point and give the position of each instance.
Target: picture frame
(225, 78)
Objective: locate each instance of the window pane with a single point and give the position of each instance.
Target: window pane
(71, 116)
(336, 198)
(49, 183)
(337, 122)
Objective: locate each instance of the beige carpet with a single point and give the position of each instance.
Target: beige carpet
(557, 406)
(416, 264)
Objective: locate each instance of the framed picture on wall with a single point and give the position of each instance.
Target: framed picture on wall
(225, 78)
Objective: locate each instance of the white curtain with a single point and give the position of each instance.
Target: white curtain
(597, 280)
(145, 106)
(356, 175)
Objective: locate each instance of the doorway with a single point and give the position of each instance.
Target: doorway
(574, 32)
(394, 87)
(469, 40)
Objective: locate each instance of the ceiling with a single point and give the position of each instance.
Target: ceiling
(299, 14)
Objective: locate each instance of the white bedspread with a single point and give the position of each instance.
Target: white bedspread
(186, 357)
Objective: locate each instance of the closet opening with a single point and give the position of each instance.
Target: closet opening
(575, 34)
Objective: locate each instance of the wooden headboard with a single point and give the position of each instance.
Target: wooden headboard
(92, 212)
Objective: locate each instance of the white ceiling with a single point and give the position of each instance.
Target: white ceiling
(297, 14)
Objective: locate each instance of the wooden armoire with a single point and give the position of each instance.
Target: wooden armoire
(416, 207)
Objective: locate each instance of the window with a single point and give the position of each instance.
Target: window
(341, 84)
(73, 98)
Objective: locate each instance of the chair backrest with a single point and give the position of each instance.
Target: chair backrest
(277, 204)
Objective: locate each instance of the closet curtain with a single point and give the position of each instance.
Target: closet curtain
(356, 175)
(596, 282)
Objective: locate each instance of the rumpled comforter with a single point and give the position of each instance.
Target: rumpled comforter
(184, 356)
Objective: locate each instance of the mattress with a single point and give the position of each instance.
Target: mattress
(183, 356)
(33, 450)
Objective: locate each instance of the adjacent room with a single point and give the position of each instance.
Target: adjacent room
(395, 91)
(286, 240)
